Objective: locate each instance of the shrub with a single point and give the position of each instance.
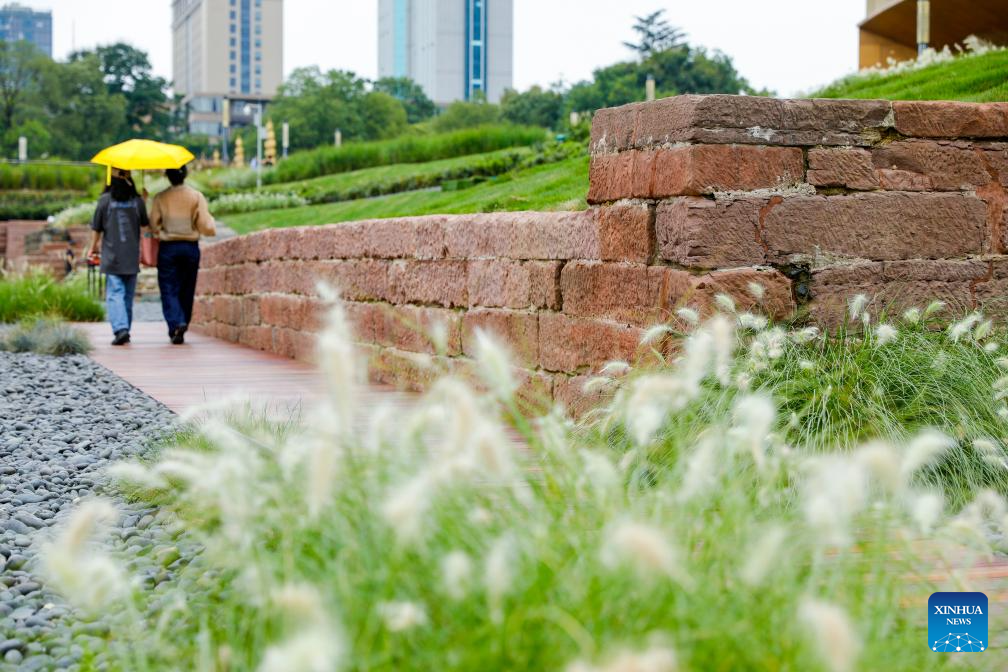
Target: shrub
(405, 149)
(46, 337)
(252, 202)
(29, 204)
(430, 541)
(38, 294)
(76, 215)
(50, 176)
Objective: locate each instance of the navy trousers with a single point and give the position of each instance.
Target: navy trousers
(177, 265)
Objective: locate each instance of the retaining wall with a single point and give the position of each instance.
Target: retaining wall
(690, 196)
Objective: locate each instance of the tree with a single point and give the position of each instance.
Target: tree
(83, 116)
(463, 114)
(535, 107)
(127, 72)
(412, 96)
(655, 34)
(20, 64)
(316, 104)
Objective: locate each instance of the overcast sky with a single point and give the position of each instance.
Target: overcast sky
(789, 46)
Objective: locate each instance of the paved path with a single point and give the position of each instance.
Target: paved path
(206, 370)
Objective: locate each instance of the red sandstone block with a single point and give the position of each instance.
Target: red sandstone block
(499, 283)
(250, 310)
(632, 294)
(519, 331)
(523, 235)
(625, 232)
(995, 157)
(943, 166)
(294, 344)
(367, 320)
(409, 371)
(243, 279)
(777, 301)
(877, 225)
(544, 284)
(210, 281)
(440, 282)
(257, 337)
(700, 233)
(573, 344)
(414, 237)
(292, 312)
(693, 170)
(202, 310)
(211, 256)
(893, 287)
(416, 328)
(355, 279)
(950, 119)
(227, 310)
(849, 167)
(903, 180)
(739, 119)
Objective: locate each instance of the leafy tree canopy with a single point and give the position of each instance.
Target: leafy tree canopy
(418, 106)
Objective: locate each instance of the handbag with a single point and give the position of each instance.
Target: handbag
(149, 245)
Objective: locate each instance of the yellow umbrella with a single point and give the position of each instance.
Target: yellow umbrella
(142, 155)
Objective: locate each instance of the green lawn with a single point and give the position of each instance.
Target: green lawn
(982, 78)
(557, 186)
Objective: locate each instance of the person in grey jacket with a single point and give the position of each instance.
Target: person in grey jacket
(115, 227)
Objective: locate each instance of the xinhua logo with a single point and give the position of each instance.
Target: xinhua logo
(957, 622)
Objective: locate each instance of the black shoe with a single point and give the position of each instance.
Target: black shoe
(178, 336)
(122, 337)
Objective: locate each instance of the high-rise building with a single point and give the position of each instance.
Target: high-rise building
(23, 23)
(454, 49)
(226, 50)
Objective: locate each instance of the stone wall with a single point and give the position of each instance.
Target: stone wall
(691, 196)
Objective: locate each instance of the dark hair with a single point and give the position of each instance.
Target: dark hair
(176, 175)
(122, 189)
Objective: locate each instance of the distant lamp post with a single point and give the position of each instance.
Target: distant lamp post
(338, 138)
(923, 26)
(285, 133)
(259, 141)
(649, 88)
(22, 149)
(226, 124)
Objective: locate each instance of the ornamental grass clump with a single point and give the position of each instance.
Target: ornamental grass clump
(45, 337)
(454, 533)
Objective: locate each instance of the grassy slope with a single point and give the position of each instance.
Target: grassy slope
(981, 78)
(399, 171)
(550, 187)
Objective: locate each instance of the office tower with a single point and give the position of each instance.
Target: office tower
(226, 50)
(22, 23)
(454, 49)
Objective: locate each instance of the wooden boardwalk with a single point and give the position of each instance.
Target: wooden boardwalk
(207, 370)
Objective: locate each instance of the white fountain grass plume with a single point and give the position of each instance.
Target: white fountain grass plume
(317, 648)
(836, 640)
(651, 397)
(856, 306)
(656, 658)
(655, 334)
(701, 470)
(688, 315)
(645, 548)
(762, 555)
(456, 574)
(85, 574)
(963, 327)
(836, 490)
(402, 616)
(136, 474)
(338, 359)
(754, 417)
(885, 333)
(494, 365)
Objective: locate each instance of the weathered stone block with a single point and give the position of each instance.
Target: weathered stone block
(951, 119)
(518, 330)
(849, 167)
(701, 233)
(573, 344)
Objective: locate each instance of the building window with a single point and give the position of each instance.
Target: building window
(258, 43)
(258, 55)
(475, 47)
(258, 30)
(232, 28)
(234, 15)
(234, 83)
(233, 69)
(234, 42)
(258, 85)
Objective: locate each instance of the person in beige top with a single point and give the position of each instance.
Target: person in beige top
(179, 216)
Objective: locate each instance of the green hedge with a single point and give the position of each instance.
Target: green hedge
(34, 204)
(37, 294)
(50, 176)
(406, 149)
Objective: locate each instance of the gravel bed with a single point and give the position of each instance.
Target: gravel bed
(62, 421)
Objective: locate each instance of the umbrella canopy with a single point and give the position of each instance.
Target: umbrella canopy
(142, 155)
